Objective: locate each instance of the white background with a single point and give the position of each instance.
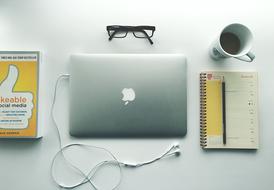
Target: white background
(61, 27)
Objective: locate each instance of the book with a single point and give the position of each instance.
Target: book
(19, 82)
(241, 110)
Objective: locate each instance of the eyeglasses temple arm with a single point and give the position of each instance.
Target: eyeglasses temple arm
(112, 35)
(151, 42)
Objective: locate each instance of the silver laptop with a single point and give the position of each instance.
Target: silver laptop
(128, 95)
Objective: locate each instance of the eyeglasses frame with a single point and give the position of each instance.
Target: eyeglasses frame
(133, 29)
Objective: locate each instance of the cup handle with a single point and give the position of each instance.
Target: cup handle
(249, 57)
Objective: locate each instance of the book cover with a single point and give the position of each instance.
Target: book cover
(19, 80)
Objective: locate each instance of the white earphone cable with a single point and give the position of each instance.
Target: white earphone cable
(86, 178)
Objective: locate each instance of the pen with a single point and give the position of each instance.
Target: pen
(224, 109)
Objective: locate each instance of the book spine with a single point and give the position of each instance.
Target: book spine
(203, 122)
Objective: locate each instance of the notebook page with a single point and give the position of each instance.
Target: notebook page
(214, 112)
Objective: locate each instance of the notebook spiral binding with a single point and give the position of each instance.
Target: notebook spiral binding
(203, 122)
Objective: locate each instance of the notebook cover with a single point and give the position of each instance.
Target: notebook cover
(241, 110)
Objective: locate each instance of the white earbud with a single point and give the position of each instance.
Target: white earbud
(177, 150)
(173, 150)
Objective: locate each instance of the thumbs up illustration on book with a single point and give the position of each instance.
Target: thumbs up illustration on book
(15, 107)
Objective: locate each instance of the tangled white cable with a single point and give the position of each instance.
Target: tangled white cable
(87, 178)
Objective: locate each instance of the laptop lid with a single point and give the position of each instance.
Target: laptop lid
(128, 95)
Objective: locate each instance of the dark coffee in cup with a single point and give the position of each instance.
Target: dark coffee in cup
(230, 43)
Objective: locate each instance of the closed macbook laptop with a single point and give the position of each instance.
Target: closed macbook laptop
(128, 95)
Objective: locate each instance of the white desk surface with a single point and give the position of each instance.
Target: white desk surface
(59, 28)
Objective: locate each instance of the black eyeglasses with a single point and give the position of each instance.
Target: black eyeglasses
(117, 31)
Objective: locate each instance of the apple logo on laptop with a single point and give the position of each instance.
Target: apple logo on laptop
(128, 95)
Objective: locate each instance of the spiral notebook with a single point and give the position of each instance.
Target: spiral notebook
(241, 110)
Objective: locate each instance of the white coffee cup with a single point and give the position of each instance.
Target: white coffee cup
(235, 41)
